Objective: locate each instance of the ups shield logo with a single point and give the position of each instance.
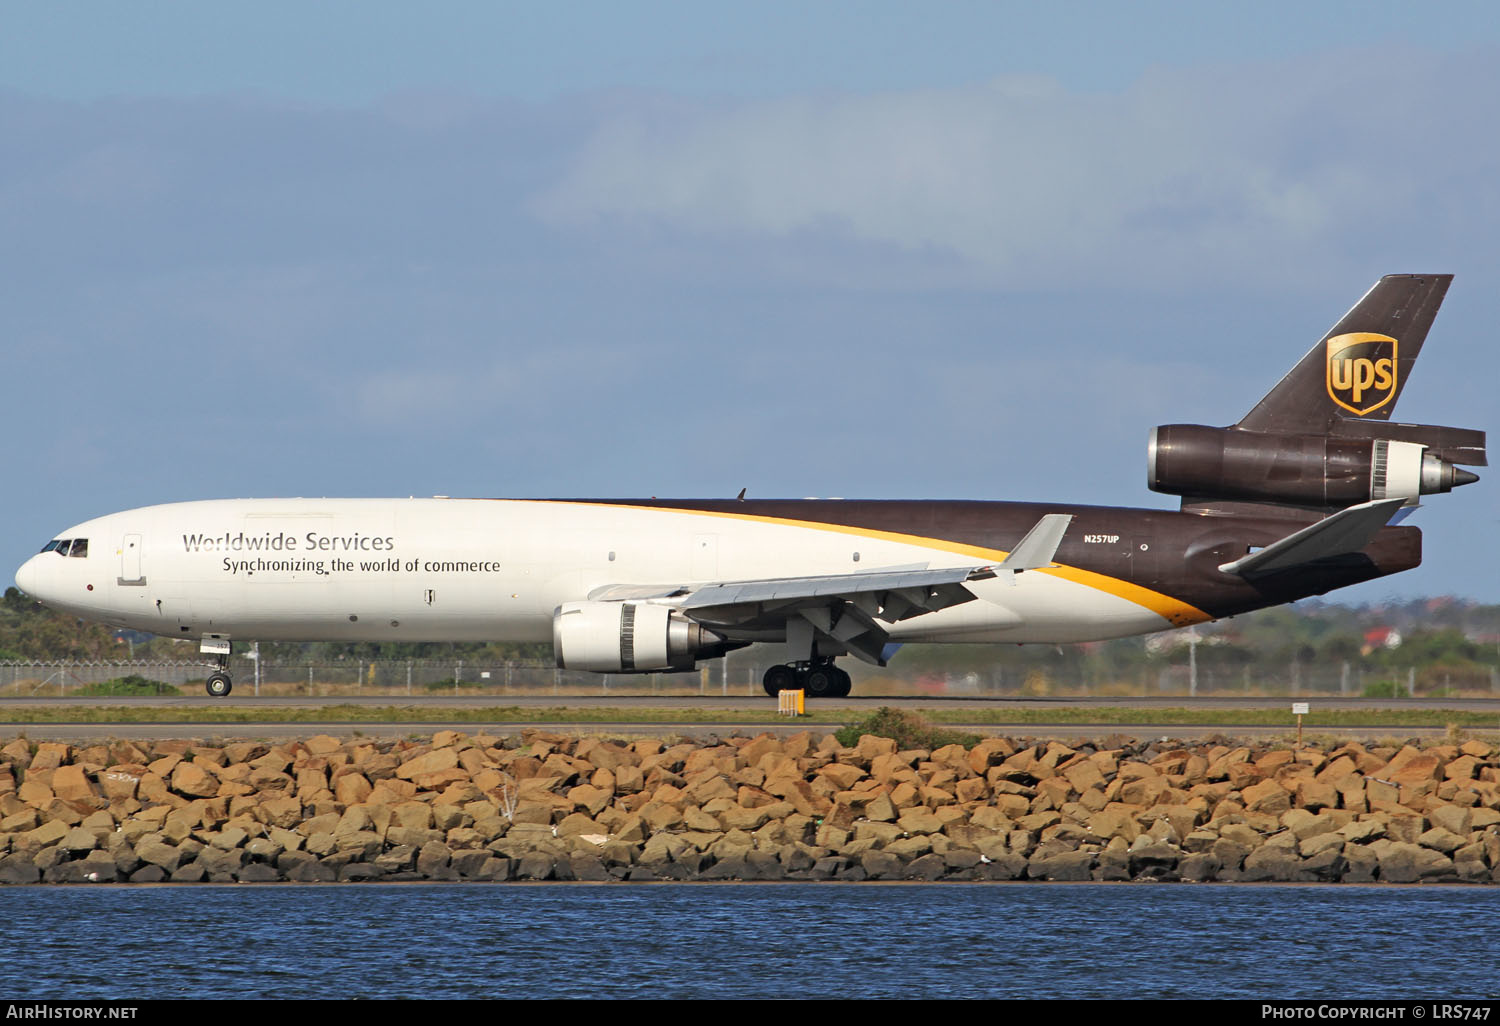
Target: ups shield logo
(1361, 371)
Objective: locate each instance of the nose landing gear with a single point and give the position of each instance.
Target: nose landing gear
(820, 678)
(219, 683)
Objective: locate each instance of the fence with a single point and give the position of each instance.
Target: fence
(393, 678)
(1183, 676)
(740, 675)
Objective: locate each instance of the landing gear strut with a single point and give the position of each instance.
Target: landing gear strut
(819, 678)
(219, 683)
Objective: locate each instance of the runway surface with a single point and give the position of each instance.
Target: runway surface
(857, 704)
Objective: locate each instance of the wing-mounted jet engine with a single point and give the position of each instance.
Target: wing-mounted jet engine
(630, 637)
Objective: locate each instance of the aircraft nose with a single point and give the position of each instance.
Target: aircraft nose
(26, 576)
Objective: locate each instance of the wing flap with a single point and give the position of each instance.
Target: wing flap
(916, 587)
(636, 592)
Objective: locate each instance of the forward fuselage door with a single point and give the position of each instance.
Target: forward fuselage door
(130, 561)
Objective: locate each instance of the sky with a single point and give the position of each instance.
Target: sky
(963, 250)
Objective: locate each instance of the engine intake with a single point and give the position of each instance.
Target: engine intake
(1306, 470)
(629, 637)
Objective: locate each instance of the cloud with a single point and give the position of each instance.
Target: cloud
(990, 292)
(1196, 174)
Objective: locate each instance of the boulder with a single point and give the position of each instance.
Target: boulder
(434, 858)
(18, 869)
(221, 862)
(192, 780)
(1439, 839)
(881, 865)
(1266, 796)
(192, 872)
(1072, 865)
(1327, 865)
(1112, 865)
(78, 840)
(1412, 766)
(842, 776)
(1269, 862)
(257, 872)
(1156, 859)
(309, 871)
(71, 784)
(49, 755)
(1453, 818)
(44, 836)
(1198, 868)
(1310, 846)
(438, 761)
(534, 866)
(869, 747)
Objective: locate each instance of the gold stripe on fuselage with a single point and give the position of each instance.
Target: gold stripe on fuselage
(1174, 611)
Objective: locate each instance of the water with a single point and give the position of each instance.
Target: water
(750, 941)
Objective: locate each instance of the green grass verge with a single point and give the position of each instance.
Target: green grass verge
(1104, 716)
(907, 728)
(132, 686)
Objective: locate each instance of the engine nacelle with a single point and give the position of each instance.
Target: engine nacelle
(628, 637)
(1308, 470)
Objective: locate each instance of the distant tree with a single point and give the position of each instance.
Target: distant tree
(29, 630)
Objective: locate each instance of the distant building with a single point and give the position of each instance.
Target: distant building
(1380, 637)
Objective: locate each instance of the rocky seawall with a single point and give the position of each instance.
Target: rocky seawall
(548, 807)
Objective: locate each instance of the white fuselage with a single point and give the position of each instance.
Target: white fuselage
(497, 569)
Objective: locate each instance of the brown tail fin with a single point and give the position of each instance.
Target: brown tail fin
(1358, 369)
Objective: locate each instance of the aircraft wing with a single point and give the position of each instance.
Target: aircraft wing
(921, 589)
(842, 610)
(1346, 531)
(892, 594)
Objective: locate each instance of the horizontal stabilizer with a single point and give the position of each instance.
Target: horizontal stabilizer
(1454, 445)
(1036, 550)
(1347, 531)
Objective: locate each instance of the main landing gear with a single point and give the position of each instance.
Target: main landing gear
(819, 678)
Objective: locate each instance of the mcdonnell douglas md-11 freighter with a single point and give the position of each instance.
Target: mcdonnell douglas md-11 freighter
(1297, 498)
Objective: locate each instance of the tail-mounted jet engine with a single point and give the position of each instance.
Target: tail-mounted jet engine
(630, 637)
(1201, 462)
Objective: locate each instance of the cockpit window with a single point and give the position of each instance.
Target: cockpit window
(68, 546)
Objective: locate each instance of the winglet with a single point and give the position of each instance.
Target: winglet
(1036, 550)
(1346, 531)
